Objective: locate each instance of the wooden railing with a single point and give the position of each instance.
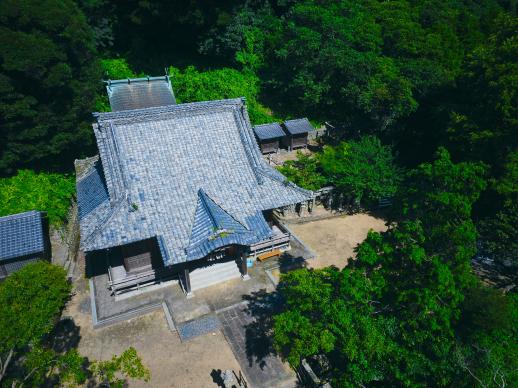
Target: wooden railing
(277, 241)
(131, 279)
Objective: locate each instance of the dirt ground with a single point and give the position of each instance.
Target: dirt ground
(334, 239)
(171, 362)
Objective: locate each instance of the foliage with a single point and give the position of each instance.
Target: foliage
(304, 172)
(499, 236)
(484, 126)
(48, 80)
(117, 69)
(488, 349)
(31, 191)
(381, 59)
(498, 232)
(128, 364)
(192, 85)
(31, 302)
(441, 195)
(394, 314)
(363, 169)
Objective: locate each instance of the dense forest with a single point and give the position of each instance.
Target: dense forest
(423, 99)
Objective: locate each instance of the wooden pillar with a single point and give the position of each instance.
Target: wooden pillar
(244, 268)
(187, 282)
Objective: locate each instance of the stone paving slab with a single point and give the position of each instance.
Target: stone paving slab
(266, 371)
(197, 327)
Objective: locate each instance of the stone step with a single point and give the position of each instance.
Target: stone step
(216, 274)
(208, 276)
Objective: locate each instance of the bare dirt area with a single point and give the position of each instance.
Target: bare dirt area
(171, 362)
(333, 240)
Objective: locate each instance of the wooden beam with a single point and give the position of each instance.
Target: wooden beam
(187, 282)
(244, 268)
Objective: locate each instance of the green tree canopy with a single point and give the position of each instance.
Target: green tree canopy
(31, 301)
(31, 191)
(395, 314)
(192, 85)
(363, 169)
(48, 81)
(304, 172)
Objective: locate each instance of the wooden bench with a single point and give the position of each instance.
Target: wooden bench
(267, 255)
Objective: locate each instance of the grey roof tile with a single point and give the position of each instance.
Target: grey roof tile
(22, 235)
(178, 172)
(268, 131)
(298, 126)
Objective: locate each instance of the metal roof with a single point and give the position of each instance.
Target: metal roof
(22, 235)
(298, 126)
(137, 93)
(190, 175)
(268, 131)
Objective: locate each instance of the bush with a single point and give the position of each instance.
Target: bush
(304, 172)
(192, 85)
(31, 191)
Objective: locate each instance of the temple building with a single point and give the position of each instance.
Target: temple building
(178, 191)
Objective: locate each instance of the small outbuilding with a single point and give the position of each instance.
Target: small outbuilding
(268, 137)
(139, 93)
(296, 133)
(24, 238)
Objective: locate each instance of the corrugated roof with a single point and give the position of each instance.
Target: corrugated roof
(269, 131)
(298, 126)
(178, 172)
(138, 93)
(21, 235)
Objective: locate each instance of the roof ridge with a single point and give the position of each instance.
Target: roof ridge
(206, 197)
(27, 213)
(156, 110)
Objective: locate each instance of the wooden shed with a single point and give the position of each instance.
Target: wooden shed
(296, 133)
(268, 137)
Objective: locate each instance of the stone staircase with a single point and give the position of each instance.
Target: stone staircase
(216, 273)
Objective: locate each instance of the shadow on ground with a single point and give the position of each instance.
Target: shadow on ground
(261, 306)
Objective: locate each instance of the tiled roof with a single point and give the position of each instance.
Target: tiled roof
(21, 235)
(140, 93)
(298, 126)
(268, 131)
(190, 174)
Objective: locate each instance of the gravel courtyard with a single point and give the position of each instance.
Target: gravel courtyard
(334, 239)
(172, 363)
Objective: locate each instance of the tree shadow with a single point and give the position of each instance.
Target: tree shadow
(260, 308)
(289, 262)
(65, 336)
(216, 377)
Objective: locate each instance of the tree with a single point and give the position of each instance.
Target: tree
(483, 126)
(441, 195)
(31, 303)
(31, 300)
(37, 191)
(192, 85)
(48, 81)
(392, 316)
(363, 169)
(304, 172)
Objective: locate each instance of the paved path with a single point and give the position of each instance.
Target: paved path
(261, 369)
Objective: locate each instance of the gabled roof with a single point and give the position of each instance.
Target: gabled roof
(22, 235)
(268, 131)
(137, 93)
(180, 173)
(298, 126)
